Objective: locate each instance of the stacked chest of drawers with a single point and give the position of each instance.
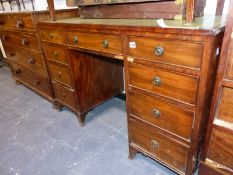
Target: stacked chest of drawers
(169, 80)
(23, 52)
(217, 157)
(19, 35)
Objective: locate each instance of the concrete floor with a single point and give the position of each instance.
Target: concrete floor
(36, 139)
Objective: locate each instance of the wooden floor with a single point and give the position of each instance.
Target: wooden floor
(35, 139)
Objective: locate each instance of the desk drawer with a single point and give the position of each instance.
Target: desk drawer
(60, 74)
(31, 60)
(34, 80)
(21, 21)
(166, 116)
(220, 149)
(173, 52)
(226, 105)
(159, 145)
(53, 36)
(56, 53)
(99, 42)
(172, 85)
(64, 94)
(27, 41)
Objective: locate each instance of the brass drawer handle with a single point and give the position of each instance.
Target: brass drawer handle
(159, 51)
(55, 54)
(17, 71)
(75, 40)
(63, 94)
(105, 43)
(155, 144)
(50, 35)
(36, 82)
(5, 37)
(12, 54)
(24, 41)
(31, 61)
(156, 81)
(156, 113)
(59, 74)
(19, 24)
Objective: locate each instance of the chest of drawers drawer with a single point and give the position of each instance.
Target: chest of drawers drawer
(163, 115)
(160, 146)
(226, 105)
(220, 149)
(98, 42)
(52, 36)
(34, 80)
(31, 60)
(179, 53)
(56, 53)
(22, 22)
(27, 41)
(60, 74)
(64, 94)
(172, 85)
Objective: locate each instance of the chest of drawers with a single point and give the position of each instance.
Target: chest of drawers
(217, 157)
(21, 43)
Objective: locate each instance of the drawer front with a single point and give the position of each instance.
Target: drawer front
(98, 42)
(226, 105)
(56, 53)
(53, 36)
(160, 146)
(27, 41)
(220, 149)
(64, 94)
(60, 74)
(169, 117)
(173, 52)
(21, 21)
(35, 80)
(176, 86)
(31, 60)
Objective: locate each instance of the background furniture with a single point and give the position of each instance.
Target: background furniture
(18, 32)
(17, 3)
(217, 158)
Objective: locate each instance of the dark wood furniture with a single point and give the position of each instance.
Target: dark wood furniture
(217, 157)
(18, 32)
(169, 74)
(166, 9)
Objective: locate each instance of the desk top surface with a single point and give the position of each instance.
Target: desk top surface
(205, 25)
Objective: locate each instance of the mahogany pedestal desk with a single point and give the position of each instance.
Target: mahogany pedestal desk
(169, 75)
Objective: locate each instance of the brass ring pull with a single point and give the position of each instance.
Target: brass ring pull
(159, 51)
(59, 74)
(105, 43)
(36, 82)
(50, 35)
(31, 61)
(19, 24)
(12, 54)
(17, 71)
(156, 81)
(63, 94)
(156, 113)
(55, 54)
(24, 41)
(155, 144)
(4, 37)
(75, 40)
